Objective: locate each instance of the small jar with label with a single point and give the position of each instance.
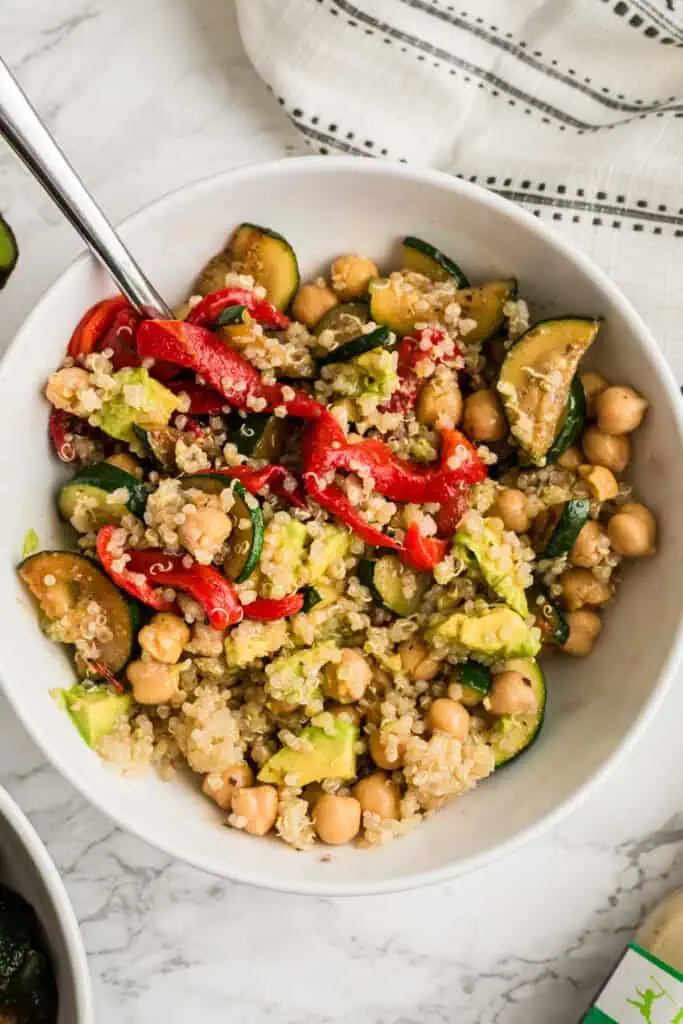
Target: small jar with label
(647, 983)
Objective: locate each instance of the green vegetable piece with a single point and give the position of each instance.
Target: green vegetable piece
(378, 338)
(346, 320)
(331, 755)
(496, 633)
(327, 551)
(484, 541)
(139, 401)
(96, 484)
(9, 252)
(312, 597)
(258, 251)
(230, 315)
(559, 526)
(476, 676)
(31, 543)
(95, 711)
(572, 423)
(393, 584)
(423, 258)
(513, 734)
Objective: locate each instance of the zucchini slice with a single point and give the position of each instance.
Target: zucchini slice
(556, 529)
(549, 618)
(379, 338)
(346, 320)
(159, 445)
(475, 676)
(485, 305)
(393, 303)
(395, 586)
(513, 734)
(246, 540)
(97, 483)
(9, 252)
(312, 597)
(64, 583)
(259, 436)
(536, 378)
(258, 251)
(426, 259)
(572, 422)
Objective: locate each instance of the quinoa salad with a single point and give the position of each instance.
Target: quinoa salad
(322, 532)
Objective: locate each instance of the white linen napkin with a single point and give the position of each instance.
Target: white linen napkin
(573, 109)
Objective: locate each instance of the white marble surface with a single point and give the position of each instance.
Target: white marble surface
(146, 95)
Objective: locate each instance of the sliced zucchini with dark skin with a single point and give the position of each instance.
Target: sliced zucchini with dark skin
(381, 337)
(346, 320)
(245, 543)
(475, 676)
(159, 445)
(259, 436)
(230, 315)
(549, 618)
(97, 483)
(513, 734)
(536, 378)
(394, 586)
(9, 252)
(572, 422)
(426, 259)
(258, 251)
(64, 582)
(312, 597)
(485, 305)
(555, 530)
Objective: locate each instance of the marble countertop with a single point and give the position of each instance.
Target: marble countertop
(145, 97)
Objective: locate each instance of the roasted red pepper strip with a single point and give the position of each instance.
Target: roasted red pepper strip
(206, 312)
(59, 426)
(451, 512)
(326, 448)
(135, 585)
(206, 585)
(276, 479)
(222, 367)
(120, 338)
(422, 552)
(414, 349)
(335, 501)
(267, 609)
(93, 325)
(203, 401)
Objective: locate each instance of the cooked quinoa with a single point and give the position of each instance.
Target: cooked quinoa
(320, 579)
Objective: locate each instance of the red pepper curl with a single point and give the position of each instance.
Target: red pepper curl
(206, 312)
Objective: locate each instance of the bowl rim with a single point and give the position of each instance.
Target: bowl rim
(511, 212)
(56, 890)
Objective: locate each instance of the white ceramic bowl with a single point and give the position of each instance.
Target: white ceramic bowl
(26, 866)
(326, 206)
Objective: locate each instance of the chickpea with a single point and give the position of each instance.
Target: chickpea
(348, 679)
(337, 819)
(510, 694)
(128, 463)
(580, 587)
(511, 507)
(221, 786)
(571, 458)
(415, 661)
(593, 385)
(446, 715)
(379, 795)
(152, 681)
(440, 402)
(483, 417)
(63, 388)
(605, 450)
(164, 637)
(206, 642)
(590, 546)
(384, 758)
(311, 303)
(346, 712)
(632, 531)
(204, 531)
(257, 806)
(620, 410)
(351, 276)
(601, 482)
(584, 627)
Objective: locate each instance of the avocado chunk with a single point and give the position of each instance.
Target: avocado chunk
(483, 539)
(138, 401)
(496, 633)
(282, 557)
(327, 551)
(325, 755)
(96, 711)
(295, 678)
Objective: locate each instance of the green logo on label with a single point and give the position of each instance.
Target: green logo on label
(646, 998)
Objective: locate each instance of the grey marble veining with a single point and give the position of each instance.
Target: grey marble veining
(146, 95)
